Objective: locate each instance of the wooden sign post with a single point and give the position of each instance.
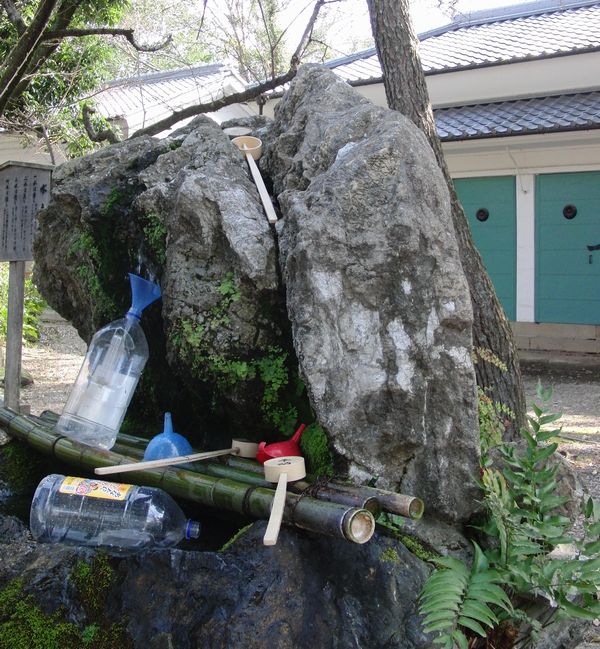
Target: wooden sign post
(24, 191)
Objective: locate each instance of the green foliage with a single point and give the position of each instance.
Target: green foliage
(235, 537)
(34, 305)
(93, 581)
(494, 419)
(193, 342)
(74, 68)
(20, 467)
(455, 598)
(315, 448)
(155, 234)
(526, 524)
(389, 555)
(23, 625)
(394, 524)
(86, 250)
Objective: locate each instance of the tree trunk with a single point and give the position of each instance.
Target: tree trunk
(406, 91)
(15, 66)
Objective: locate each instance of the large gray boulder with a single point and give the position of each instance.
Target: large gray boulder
(377, 298)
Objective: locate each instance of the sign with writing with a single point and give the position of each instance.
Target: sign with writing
(24, 191)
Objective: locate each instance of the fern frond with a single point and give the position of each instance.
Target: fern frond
(455, 597)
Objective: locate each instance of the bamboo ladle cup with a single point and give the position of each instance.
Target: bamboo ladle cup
(251, 147)
(280, 470)
(240, 447)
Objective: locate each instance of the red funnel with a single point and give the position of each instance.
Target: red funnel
(280, 449)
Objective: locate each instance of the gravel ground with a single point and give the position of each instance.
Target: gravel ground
(55, 362)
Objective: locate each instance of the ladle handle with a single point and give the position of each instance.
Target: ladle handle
(262, 190)
(272, 531)
(168, 461)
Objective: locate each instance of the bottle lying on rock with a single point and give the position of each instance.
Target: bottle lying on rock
(120, 518)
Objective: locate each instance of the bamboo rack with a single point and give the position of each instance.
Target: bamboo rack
(251, 472)
(332, 519)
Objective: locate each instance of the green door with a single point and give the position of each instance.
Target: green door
(490, 206)
(567, 272)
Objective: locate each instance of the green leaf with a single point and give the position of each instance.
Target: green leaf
(459, 638)
(548, 419)
(473, 625)
(480, 612)
(576, 611)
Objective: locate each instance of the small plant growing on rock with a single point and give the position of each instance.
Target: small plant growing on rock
(470, 607)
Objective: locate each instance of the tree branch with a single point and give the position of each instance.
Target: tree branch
(62, 19)
(105, 135)
(14, 16)
(22, 53)
(238, 97)
(106, 31)
(211, 107)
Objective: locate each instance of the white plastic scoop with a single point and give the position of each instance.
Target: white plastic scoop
(252, 149)
(240, 447)
(281, 470)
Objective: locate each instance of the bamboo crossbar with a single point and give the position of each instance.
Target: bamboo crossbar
(323, 517)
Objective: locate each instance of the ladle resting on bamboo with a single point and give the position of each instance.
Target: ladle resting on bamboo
(239, 447)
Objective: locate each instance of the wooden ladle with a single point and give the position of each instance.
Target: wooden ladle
(240, 447)
(251, 147)
(281, 470)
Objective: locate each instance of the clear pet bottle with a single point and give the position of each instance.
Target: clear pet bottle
(119, 518)
(109, 375)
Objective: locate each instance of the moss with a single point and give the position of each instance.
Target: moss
(235, 537)
(394, 524)
(417, 548)
(315, 448)
(114, 198)
(194, 343)
(22, 469)
(23, 625)
(93, 581)
(389, 555)
(155, 235)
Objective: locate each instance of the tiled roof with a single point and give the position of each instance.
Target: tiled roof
(148, 98)
(519, 117)
(509, 34)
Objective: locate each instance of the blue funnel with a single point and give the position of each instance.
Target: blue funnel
(167, 444)
(143, 293)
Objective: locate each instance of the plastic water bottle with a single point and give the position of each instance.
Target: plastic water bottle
(109, 375)
(120, 518)
(168, 443)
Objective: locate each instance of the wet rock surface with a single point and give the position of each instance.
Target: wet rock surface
(304, 592)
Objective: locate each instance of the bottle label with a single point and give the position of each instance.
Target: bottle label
(94, 488)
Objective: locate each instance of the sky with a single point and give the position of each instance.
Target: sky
(354, 31)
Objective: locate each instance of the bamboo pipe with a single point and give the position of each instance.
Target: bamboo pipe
(352, 495)
(390, 501)
(322, 517)
(322, 492)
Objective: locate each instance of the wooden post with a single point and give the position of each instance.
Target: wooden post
(14, 334)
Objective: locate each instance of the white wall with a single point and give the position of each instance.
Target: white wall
(13, 147)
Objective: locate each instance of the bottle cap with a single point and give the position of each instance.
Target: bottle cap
(192, 530)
